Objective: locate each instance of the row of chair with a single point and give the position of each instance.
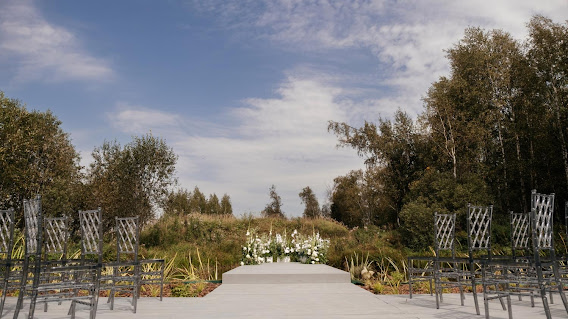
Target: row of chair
(47, 274)
(533, 269)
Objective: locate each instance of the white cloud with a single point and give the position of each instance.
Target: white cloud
(281, 141)
(133, 119)
(43, 51)
(407, 37)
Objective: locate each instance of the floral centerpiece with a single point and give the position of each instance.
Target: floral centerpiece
(259, 249)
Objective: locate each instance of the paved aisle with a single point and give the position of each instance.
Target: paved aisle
(291, 296)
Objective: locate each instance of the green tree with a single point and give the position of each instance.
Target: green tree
(226, 207)
(439, 192)
(198, 202)
(309, 199)
(547, 56)
(36, 157)
(395, 153)
(213, 205)
(133, 180)
(274, 208)
(178, 203)
(346, 202)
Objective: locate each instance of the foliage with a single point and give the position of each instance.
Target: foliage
(496, 125)
(274, 208)
(309, 199)
(439, 192)
(226, 207)
(131, 180)
(394, 155)
(36, 157)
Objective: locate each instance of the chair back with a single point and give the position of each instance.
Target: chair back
(444, 228)
(479, 228)
(127, 236)
(7, 232)
(542, 211)
(33, 230)
(520, 234)
(56, 236)
(91, 234)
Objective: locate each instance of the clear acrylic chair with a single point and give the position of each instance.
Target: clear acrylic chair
(126, 269)
(32, 255)
(545, 261)
(538, 274)
(130, 272)
(6, 246)
(447, 273)
(56, 237)
(478, 240)
(55, 281)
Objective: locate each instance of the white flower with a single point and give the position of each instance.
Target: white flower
(248, 256)
(242, 263)
(313, 262)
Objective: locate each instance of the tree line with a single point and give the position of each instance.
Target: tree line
(138, 178)
(492, 130)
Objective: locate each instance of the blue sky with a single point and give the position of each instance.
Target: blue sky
(241, 90)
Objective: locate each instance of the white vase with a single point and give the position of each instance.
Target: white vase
(283, 259)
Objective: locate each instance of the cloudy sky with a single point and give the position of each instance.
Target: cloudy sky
(241, 90)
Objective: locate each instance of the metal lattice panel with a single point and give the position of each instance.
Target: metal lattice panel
(479, 226)
(90, 221)
(56, 235)
(520, 230)
(541, 212)
(32, 211)
(6, 229)
(127, 234)
(445, 226)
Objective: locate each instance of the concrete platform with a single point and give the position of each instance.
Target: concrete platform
(285, 273)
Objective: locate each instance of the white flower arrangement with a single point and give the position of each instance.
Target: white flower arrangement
(306, 249)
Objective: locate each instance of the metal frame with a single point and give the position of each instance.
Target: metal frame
(125, 273)
(128, 270)
(444, 240)
(542, 211)
(58, 280)
(6, 246)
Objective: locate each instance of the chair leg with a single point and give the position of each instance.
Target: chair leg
(20, 302)
(475, 301)
(4, 291)
(410, 284)
(545, 301)
(510, 309)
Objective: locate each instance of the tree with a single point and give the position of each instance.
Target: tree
(273, 209)
(133, 180)
(395, 153)
(36, 157)
(309, 199)
(213, 205)
(226, 207)
(197, 202)
(346, 201)
(548, 49)
(178, 203)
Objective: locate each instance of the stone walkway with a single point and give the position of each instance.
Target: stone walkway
(284, 291)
